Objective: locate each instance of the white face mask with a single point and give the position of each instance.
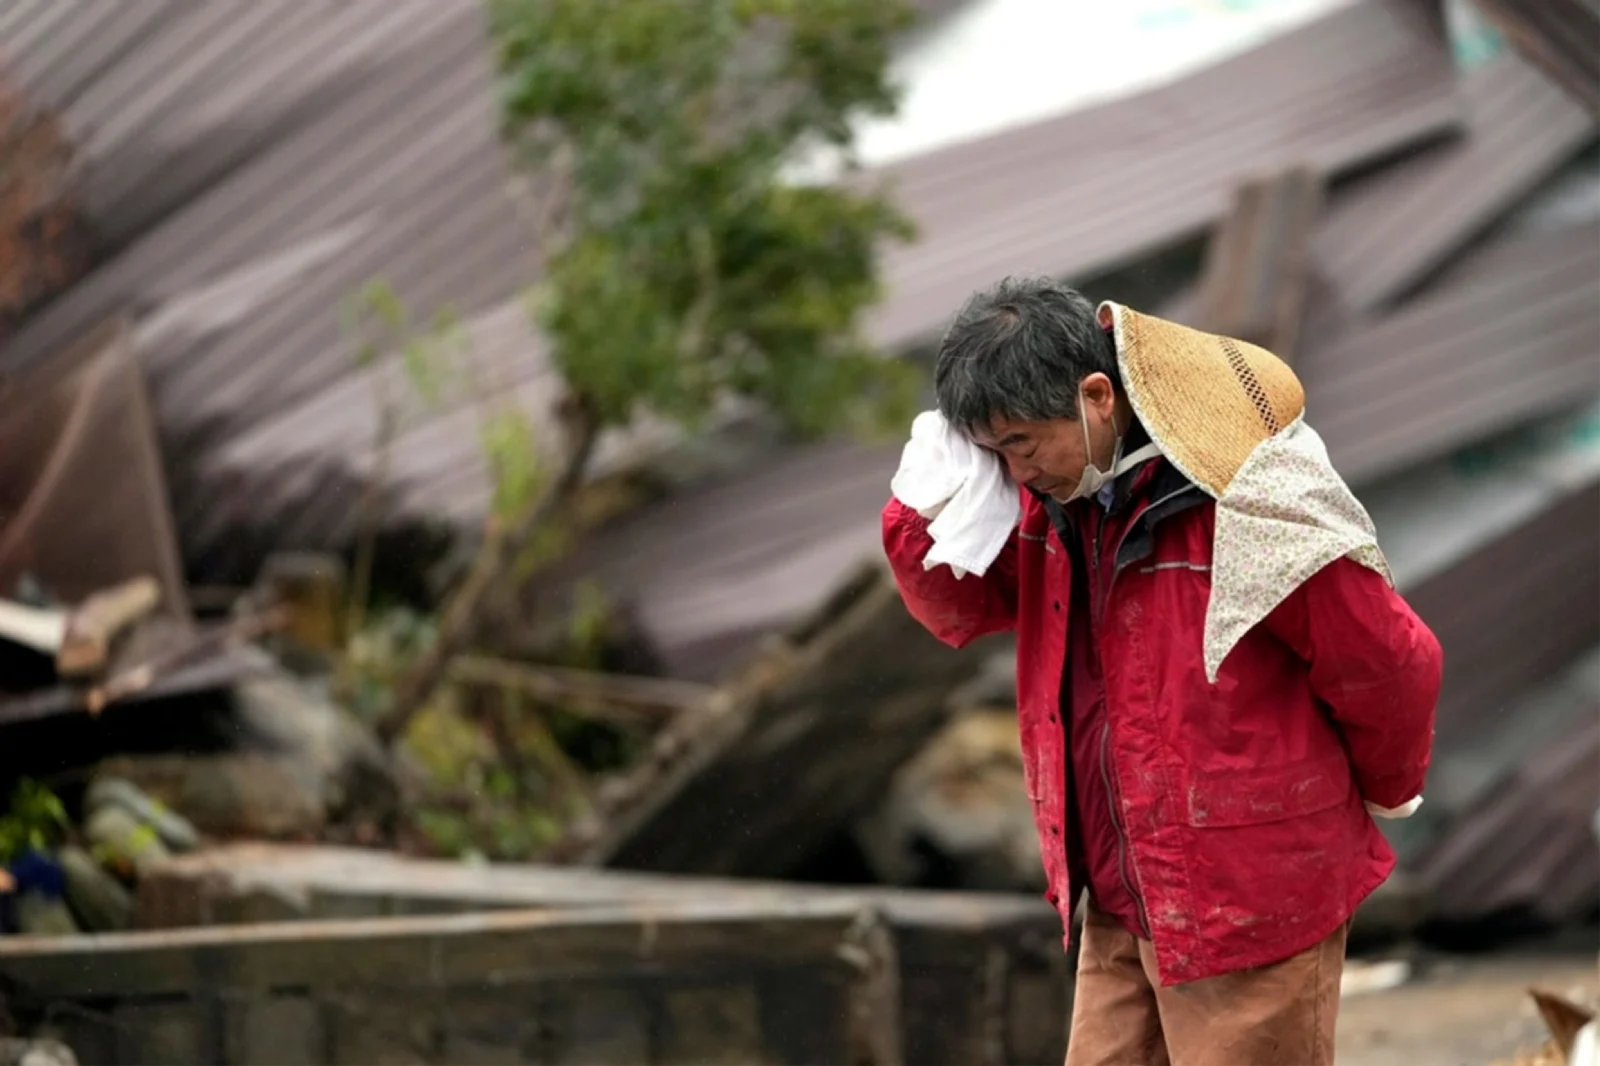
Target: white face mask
(1094, 479)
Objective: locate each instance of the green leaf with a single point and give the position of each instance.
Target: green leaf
(690, 271)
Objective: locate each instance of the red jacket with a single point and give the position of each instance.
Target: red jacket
(1239, 803)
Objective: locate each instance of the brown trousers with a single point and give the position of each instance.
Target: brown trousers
(1278, 1015)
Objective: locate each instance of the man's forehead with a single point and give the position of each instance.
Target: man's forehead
(1000, 431)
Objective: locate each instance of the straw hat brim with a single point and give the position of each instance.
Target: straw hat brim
(1207, 401)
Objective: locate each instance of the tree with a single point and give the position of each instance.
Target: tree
(679, 266)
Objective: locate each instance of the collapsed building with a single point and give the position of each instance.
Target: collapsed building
(1414, 225)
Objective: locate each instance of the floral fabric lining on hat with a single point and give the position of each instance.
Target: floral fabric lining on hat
(1285, 516)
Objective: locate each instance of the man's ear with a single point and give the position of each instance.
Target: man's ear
(1098, 394)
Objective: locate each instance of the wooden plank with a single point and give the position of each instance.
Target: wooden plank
(982, 976)
(199, 888)
(787, 754)
(687, 982)
(400, 951)
(1254, 283)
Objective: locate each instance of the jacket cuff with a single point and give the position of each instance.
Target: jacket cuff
(1405, 810)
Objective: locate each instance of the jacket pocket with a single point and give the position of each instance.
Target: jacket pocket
(1271, 794)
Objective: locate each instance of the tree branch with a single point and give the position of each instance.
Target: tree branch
(495, 562)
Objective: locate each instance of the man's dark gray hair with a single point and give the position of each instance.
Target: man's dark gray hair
(1018, 351)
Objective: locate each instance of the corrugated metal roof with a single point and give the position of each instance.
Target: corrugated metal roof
(1528, 844)
(289, 176)
(1513, 336)
(1562, 36)
(1099, 188)
(1475, 762)
(1517, 610)
(1432, 516)
(1471, 765)
(1387, 233)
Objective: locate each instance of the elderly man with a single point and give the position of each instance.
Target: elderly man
(1217, 685)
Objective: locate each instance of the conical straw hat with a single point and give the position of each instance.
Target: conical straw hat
(1206, 401)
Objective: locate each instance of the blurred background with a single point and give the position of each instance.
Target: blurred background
(442, 615)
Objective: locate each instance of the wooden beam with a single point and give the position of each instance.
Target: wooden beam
(789, 752)
(1257, 270)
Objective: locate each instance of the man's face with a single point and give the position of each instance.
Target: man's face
(1049, 457)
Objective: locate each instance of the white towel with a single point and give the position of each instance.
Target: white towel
(964, 489)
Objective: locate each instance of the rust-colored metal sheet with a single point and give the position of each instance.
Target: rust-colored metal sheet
(1561, 36)
(83, 497)
(788, 526)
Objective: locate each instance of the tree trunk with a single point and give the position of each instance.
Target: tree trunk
(495, 562)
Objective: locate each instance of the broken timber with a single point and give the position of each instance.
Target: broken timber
(100, 620)
(1257, 268)
(609, 697)
(669, 983)
(982, 978)
(781, 759)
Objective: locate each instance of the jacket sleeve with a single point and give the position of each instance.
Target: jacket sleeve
(956, 610)
(1376, 667)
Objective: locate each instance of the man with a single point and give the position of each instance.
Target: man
(1217, 684)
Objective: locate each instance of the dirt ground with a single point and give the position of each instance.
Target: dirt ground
(1461, 1011)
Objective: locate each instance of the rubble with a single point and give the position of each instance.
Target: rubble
(127, 844)
(773, 765)
(956, 815)
(233, 795)
(174, 831)
(99, 900)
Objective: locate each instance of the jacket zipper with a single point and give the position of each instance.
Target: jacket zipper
(1116, 824)
(1113, 798)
